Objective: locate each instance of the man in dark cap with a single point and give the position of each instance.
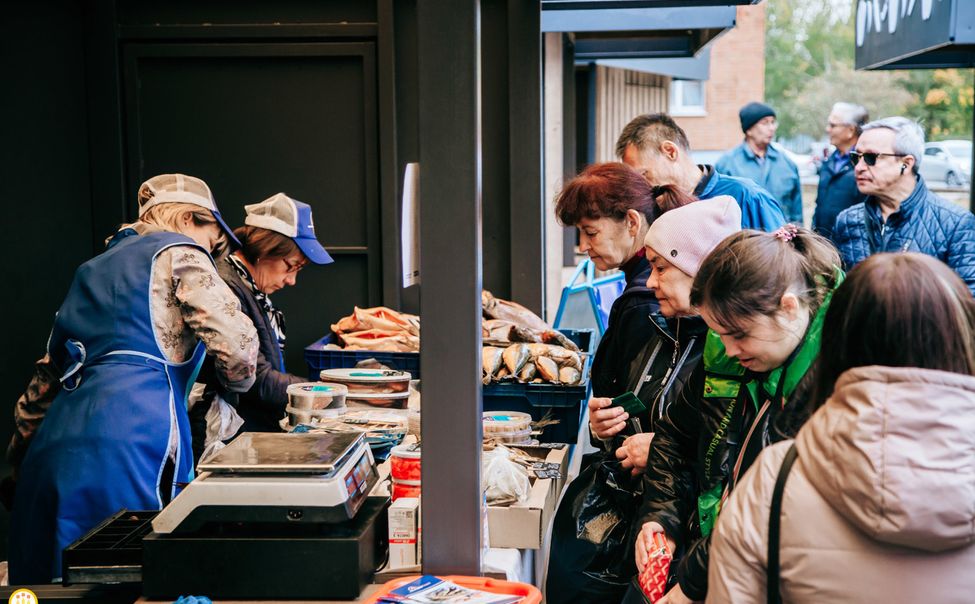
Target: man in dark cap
(757, 159)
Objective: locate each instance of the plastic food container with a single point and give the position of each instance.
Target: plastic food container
(396, 400)
(519, 437)
(316, 395)
(369, 381)
(405, 462)
(310, 416)
(505, 422)
(405, 488)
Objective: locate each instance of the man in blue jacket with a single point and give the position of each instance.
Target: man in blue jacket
(656, 147)
(756, 159)
(900, 213)
(837, 182)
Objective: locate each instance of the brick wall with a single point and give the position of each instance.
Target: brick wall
(737, 77)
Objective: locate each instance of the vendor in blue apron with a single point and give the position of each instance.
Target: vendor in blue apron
(277, 241)
(126, 346)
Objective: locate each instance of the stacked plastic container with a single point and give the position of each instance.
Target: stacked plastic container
(404, 463)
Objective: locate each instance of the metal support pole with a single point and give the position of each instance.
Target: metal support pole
(971, 176)
(450, 283)
(525, 153)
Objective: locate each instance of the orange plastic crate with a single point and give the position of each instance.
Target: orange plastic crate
(529, 593)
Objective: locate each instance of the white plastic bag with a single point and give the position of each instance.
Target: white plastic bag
(223, 422)
(502, 479)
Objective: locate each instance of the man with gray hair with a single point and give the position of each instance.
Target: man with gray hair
(837, 182)
(900, 214)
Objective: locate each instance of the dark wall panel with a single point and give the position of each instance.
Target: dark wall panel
(44, 185)
(181, 12)
(407, 108)
(496, 196)
(260, 118)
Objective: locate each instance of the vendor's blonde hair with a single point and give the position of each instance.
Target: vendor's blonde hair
(169, 216)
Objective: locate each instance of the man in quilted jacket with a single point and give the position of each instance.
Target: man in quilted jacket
(900, 213)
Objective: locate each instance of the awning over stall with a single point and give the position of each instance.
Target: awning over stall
(639, 33)
(686, 68)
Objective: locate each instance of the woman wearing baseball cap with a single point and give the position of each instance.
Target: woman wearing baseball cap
(277, 241)
(126, 345)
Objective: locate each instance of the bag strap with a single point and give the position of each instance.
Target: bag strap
(774, 522)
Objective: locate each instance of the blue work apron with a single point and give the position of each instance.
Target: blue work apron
(119, 417)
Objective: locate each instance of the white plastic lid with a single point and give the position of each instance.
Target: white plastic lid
(369, 376)
(405, 452)
(318, 389)
(500, 420)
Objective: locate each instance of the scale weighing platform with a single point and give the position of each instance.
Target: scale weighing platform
(272, 515)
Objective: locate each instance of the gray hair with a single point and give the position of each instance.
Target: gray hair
(908, 137)
(851, 114)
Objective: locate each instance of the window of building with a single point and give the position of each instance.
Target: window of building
(687, 97)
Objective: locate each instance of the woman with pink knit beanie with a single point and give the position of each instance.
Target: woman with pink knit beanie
(679, 241)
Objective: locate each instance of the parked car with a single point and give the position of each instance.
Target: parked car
(807, 167)
(948, 161)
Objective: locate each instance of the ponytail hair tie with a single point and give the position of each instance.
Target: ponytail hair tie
(659, 190)
(786, 232)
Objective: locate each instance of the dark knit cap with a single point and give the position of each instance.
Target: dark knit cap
(752, 112)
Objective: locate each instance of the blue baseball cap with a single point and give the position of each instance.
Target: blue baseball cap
(292, 218)
(180, 188)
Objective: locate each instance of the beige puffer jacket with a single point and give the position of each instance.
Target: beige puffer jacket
(879, 506)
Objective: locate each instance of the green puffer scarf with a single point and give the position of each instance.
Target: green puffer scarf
(724, 379)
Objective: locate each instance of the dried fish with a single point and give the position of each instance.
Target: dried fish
(569, 375)
(491, 361)
(550, 336)
(547, 369)
(515, 357)
(527, 372)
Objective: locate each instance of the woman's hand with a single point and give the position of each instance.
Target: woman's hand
(644, 543)
(634, 451)
(675, 596)
(606, 421)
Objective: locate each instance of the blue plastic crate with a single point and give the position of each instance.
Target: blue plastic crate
(319, 359)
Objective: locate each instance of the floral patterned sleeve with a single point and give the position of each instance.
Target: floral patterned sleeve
(211, 312)
(31, 408)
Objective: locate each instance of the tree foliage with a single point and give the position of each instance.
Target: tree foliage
(809, 61)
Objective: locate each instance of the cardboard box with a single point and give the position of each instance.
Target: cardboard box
(403, 522)
(523, 525)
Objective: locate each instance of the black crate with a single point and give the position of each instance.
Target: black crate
(564, 403)
(112, 551)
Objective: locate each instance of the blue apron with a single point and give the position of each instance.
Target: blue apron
(118, 419)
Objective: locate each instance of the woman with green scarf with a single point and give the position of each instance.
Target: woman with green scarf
(764, 297)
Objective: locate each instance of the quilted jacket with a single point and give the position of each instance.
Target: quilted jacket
(924, 223)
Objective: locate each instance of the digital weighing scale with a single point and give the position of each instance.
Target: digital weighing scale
(272, 515)
(275, 477)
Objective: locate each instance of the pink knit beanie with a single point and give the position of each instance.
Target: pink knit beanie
(684, 236)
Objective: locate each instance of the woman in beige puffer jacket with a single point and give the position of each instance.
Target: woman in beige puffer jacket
(880, 504)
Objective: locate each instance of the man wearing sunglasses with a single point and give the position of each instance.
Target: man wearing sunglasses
(900, 214)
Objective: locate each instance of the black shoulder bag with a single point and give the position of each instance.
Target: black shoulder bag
(774, 524)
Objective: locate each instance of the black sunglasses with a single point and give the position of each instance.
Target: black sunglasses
(871, 158)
